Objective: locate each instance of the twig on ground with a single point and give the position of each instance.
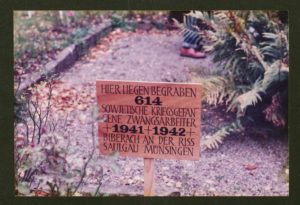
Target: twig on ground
(87, 162)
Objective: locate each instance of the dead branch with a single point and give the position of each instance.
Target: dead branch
(88, 161)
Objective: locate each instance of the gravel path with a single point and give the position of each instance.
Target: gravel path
(220, 172)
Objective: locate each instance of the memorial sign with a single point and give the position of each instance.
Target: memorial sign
(150, 120)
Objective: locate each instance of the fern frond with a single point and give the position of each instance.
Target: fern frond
(213, 141)
(216, 89)
(217, 138)
(276, 45)
(272, 74)
(251, 97)
(188, 29)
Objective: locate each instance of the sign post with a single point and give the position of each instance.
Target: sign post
(149, 120)
(149, 177)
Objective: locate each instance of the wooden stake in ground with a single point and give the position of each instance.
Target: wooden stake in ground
(148, 177)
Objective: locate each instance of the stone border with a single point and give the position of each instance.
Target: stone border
(68, 56)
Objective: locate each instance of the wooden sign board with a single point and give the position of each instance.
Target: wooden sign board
(150, 120)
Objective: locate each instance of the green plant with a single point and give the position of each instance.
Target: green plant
(119, 21)
(252, 49)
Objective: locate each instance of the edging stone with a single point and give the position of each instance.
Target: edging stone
(68, 56)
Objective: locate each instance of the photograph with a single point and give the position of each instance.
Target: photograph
(151, 103)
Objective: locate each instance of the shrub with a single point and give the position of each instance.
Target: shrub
(252, 50)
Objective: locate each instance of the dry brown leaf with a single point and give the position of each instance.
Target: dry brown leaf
(250, 166)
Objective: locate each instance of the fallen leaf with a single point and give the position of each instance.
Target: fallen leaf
(250, 166)
(40, 193)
